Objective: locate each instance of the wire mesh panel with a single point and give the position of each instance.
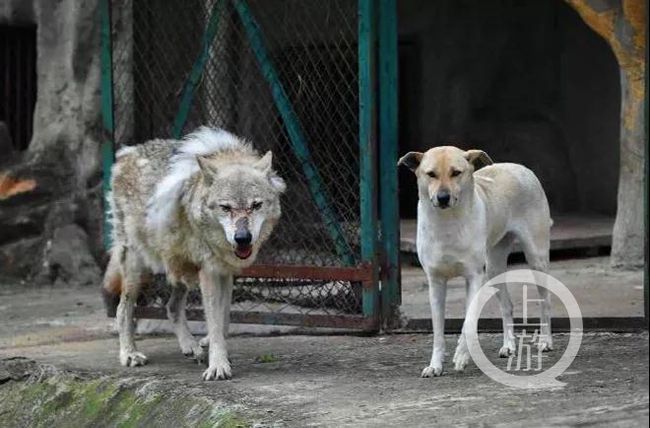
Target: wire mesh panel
(283, 74)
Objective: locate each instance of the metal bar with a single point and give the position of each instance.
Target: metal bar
(388, 147)
(358, 273)
(356, 322)
(646, 270)
(368, 145)
(197, 71)
(560, 325)
(108, 144)
(31, 81)
(7, 85)
(18, 76)
(294, 130)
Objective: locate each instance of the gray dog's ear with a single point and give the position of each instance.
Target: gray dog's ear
(411, 160)
(265, 163)
(478, 158)
(207, 169)
(277, 182)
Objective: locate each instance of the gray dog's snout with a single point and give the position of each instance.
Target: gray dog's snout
(243, 237)
(443, 198)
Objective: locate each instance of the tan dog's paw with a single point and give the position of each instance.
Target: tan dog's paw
(431, 371)
(506, 351)
(545, 345)
(132, 359)
(218, 372)
(461, 359)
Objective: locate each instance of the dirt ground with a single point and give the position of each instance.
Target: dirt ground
(295, 380)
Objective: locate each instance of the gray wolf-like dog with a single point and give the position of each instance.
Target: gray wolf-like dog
(468, 219)
(197, 210)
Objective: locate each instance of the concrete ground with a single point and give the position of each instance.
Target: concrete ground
(293, 380)
(599, 290)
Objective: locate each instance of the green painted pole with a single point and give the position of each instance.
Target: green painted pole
(388, 143)
(108, 143)
(367, 145)
(296, 134)
(197, 71)
(646, 269)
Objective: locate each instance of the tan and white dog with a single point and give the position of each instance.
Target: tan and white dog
(468, 220)
(198, 210)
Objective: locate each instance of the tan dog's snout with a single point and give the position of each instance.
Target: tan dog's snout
(443, 197)
(444, 194)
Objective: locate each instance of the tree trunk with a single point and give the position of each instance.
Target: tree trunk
(622, 23)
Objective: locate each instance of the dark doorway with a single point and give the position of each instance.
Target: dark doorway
(18, 82)
(526, 81)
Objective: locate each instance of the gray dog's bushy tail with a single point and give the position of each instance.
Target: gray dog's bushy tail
(112, 285)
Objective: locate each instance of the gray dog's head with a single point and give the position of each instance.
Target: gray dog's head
(237, 205)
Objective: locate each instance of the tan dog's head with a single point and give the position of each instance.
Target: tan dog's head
(444, 173)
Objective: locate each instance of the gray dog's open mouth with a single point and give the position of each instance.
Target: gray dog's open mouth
(244, 252)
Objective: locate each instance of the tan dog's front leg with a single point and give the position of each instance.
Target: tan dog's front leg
(437, 296)
(461, 356)
(216, 292)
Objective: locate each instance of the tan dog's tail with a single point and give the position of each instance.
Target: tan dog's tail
(112, 286)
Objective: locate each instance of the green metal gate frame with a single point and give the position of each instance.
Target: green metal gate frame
(377, 75)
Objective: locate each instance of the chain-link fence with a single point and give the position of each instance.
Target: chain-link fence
(283, 74)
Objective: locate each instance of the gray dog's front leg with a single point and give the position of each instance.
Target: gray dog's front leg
(216, 292)
(176, 314)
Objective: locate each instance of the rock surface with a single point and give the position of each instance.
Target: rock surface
(61, 164)
(68, 260)
(38, 395)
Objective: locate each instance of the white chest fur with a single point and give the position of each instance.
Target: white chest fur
(451, 242)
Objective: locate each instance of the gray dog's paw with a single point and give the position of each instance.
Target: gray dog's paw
(431, 371)
(133, 359)
(218, 372)
(195, 352)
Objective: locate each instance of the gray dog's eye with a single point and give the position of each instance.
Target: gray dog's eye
(256, 205)
(225, 208)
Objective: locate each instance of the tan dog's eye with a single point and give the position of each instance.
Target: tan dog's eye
(432, 174)
(455, 173)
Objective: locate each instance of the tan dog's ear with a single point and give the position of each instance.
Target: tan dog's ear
(411, 160)
(478, 158)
